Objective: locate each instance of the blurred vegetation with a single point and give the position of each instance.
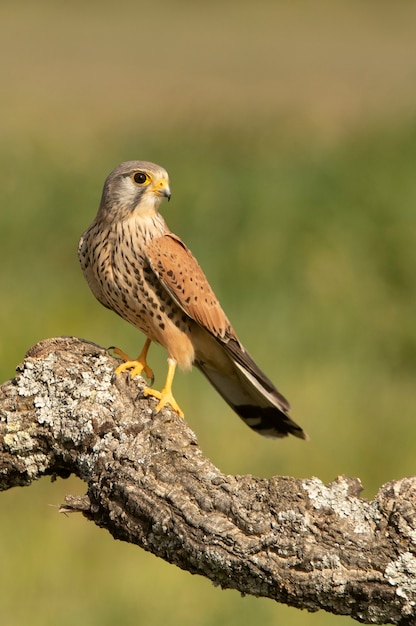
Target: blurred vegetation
(293, 183)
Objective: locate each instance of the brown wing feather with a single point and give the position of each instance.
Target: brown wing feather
(245, 387)
(181, 276)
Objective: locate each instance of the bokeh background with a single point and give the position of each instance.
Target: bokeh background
(289, 132)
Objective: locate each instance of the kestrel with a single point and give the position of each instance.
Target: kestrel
(138, 268)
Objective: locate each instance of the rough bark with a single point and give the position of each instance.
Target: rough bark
(300, 542)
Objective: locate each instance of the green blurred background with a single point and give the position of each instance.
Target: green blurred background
(289, 132)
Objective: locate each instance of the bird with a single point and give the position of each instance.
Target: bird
(138, 268)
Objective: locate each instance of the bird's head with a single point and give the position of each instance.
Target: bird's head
(134, 187)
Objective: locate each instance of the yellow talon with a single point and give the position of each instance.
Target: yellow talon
(120, 353)
(135, 366)
(165, 396)
(164, 399)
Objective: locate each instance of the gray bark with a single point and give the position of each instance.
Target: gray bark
(300, 542)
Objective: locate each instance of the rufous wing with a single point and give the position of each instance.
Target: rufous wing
(182, 277)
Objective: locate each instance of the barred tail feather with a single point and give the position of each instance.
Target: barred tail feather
(251, 394)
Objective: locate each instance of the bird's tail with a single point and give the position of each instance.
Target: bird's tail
(251, 394)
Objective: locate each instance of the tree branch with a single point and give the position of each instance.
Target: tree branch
(300, 542)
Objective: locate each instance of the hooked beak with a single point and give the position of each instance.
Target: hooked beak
(161, 188)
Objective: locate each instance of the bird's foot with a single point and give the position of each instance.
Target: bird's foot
(135, 367)
(165, 397)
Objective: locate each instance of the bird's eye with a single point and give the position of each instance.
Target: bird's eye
(140, 178)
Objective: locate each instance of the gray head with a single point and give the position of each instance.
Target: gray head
(133, 187)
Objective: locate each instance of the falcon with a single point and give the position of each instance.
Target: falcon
(139, 269)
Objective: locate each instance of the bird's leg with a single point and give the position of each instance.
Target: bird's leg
(165, 396)
(136, 366)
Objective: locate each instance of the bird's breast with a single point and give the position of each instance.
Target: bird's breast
(116, 267)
